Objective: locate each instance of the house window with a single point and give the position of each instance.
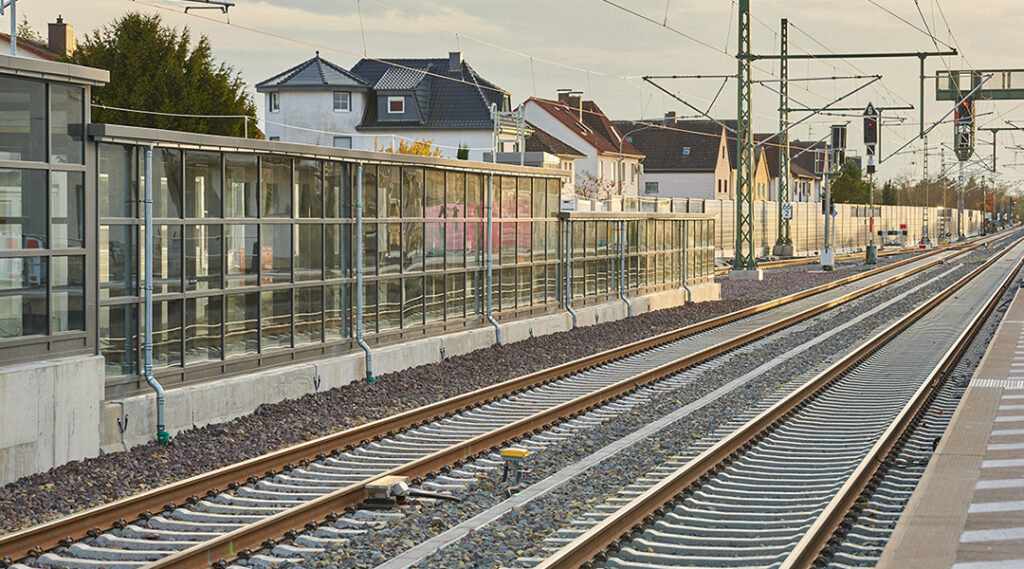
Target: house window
(275, 102)
(342, 101)
(275, 138)
(396, 105)
(686, 151)
(343, 142)
(723, 152)
(651, 187)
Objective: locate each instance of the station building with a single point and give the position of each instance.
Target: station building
(255, 273)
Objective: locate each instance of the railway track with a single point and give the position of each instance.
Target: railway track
(800, 261)
(235, 516)
(774, 491)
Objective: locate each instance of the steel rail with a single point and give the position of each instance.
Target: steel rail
(798, 261)
(810, 546)
(630, 519)
(34, 540)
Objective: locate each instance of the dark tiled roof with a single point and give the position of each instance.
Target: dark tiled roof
(400, 79)
(459, 99)
(664, 144)
(315, 72)
(803, 162)
(595, 127)
(540, 141)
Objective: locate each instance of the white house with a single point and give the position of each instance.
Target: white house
(611, 164)
(380, 103)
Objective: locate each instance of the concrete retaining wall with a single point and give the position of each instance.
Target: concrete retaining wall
(49, 414)
(223, 400)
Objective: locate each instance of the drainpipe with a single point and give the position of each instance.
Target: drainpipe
(359, 274)
(568, 270)
(490, 256)
(623, 243)
(161, 430)
(689, 293)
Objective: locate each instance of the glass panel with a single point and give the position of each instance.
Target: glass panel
(433, 241)
(602, 237)
(203, 321)
(508, 243)
(412, 306)
(369, 191)
(475, 188)
(166, 334)
(539, 240)
(390, 304)
(455, 296)
(276, 254)
(412, 247)
(202, 257)
(118, 264)
(475, 293)
(508, 288)
(553, 277)
(309, 188)
(370, 263)
(336, 191)
(524, 287)
(276, 179)
(390, 248)
(524, 201)
(389, 191)
(338, 312)
(591, 235)
(309, 240)
(578, 279)
(553, 240)
(454, 240)
(412, 192)
(434, 294)
(523, 242)
(118, 175)
(67, 209)
(508, 196)
(118, 339)
(578, 234)
(554, 196)
(337, 248)
(22, 211)
(308, 314)
(370, 307)
(540, 201)
(433, 203)
(275, 319)
(241, 198)
(539, 277)
(167, 259)
(202, 184)
(475, 244)
(67, 312)
(166, 183)
(242, 254)
(590, 271)
(23, 114)
(455, 194)
(67, 123)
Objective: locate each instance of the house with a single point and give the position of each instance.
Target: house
(544, 151)
(683, 158)
(382, 102)
(60, 43)
(804, 184)
(611, 165)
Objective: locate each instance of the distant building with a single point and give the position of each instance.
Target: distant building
(544, 150)
(383, 102)
(612, 163)
(60, 43)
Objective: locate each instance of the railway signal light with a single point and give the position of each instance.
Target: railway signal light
(965, 111)
(870, 129)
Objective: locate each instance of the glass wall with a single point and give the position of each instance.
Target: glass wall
(43, 235)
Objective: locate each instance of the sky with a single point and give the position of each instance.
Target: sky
(533, 47)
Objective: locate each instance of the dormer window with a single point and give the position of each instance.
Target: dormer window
(396, 105)
(342, 101)
(275, 101)
(686, 151)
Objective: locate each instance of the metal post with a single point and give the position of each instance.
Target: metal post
(960, 205)
(568, 270)
(925, 242)
(359, 273)
(490, 257)
(871, 257)
(827, 254)
(744, 259)
(783, 245)
(623, 243)
(161, 430)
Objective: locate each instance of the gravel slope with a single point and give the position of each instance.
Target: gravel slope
(81, 484)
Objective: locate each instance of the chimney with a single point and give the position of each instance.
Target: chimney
(670, 118)
(62, 38)
(563, 95)
(574, 99)
(454, 62)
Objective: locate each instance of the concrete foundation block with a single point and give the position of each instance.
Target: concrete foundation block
(747, 275)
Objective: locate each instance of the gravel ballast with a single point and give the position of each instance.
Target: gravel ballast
(81, 484)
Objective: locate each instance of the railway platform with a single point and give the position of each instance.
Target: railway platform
(968, 510)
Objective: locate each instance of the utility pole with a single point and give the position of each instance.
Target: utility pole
(744, 264)
(783, 244)
(870, 146)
